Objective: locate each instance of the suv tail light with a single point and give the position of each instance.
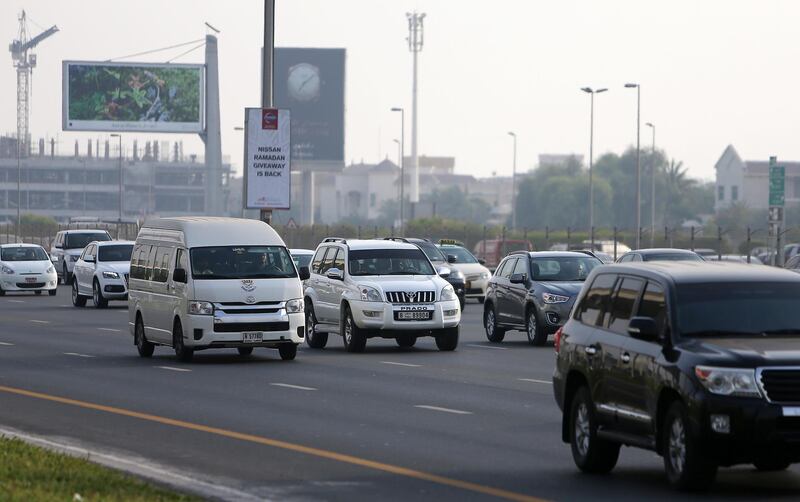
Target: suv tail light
(559, 334)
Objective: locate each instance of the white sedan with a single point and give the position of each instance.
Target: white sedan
(26, 267)
(101, 273)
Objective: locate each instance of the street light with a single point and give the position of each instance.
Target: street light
(119, 137)
(638, 162)
(653, 187)
(514, 184)
(591, 93)
(402, 166)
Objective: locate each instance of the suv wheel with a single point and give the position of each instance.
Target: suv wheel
(686, 466)
(536, 334)
(771, 464)
(78, 300)
(314, 338)
(182, 352)
(494, 333)
(97, 296)
(447, 339)
(144, 347)
(590, 453)
(245, 351)
(2, 291)
(355, 339)
(406, 341)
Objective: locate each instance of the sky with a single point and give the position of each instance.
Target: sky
(712, 73)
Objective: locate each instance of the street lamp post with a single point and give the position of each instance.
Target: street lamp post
(652, 186)
(119, 137)
(591, 93)
(402, 166)
(638, 163)
(514, 184)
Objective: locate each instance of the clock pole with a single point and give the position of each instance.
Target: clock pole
(266, 75)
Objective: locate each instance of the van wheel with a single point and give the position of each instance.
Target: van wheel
(245, 351)
(144, 347)
(590, 453)
(406, 341)
(288, 351)
(686, 466)
(494, 333)
(182, 352)
(355, 339)
(314, 338)
(447, 339)
(536, 333)
(77, 299)
(97, 296)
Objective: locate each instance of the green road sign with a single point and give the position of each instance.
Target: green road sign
(777, 183)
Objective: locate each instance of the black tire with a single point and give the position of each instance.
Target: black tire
(314, 339)
(38, 293)
(65, 274)
(461, 302)
(481, 299)
(53, 292)
(182, 352)
(771, 464)
(144, 347)
(533, 328)
(288, 351)
(2, 291)
(686, 466)
(406, 341)
(78, 300)
(494, 333)
(447, 339)
(245, 351)
(354, 338)
(97, 296)
(590, 453)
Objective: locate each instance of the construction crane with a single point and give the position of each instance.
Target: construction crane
(25, 61)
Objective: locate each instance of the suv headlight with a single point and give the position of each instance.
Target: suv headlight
(74, 257)
(7, 270)
(369, 294)
(295, 306)
(50, 270)
(448, 294)
(201, 308)
(551, 298)
(728, 381)
(110, 275)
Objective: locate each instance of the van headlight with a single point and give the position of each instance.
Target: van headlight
(110, 275)
(201, 308)
(295, 306)
(448, 294)
(728, 381)
(369, 294)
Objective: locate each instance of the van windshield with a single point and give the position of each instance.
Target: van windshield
(241, 262)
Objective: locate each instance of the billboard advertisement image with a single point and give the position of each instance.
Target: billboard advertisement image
(136, 97)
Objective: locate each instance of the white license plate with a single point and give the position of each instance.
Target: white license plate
(414, 316)
(252, 337)
(30, 279)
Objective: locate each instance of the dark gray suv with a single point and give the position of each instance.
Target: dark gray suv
(534, 292)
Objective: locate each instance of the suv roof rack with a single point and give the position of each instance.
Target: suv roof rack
(518, 251)
(335, 239)
(396, 239)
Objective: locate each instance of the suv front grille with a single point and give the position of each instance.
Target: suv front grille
(781, 385)
(410, 296)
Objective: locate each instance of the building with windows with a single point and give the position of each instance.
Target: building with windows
(747, 181)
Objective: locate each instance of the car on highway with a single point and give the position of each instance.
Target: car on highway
(301, 257)
(534, 292)
(476, 275)
(210, 283)
(67, 248)
(659, 254)
(442, 263)
(101, 273)
(737, 258)
(26, 267)
(697, 363)
(362, 289)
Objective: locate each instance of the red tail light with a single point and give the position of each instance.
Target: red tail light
(559, 334)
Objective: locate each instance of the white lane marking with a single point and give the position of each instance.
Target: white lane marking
(486, 346)
(39, 322)
(110, 329)
(65, 305)
(77, 354)
(6, 344)
(290, 386)
(16, 301)
(445, 410)
(546, 382)
(409, 365)
(171, 368)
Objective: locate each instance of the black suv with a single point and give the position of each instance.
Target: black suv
(697, 361)
(534, 292)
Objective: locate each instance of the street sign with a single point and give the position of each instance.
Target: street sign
(291, 224)
(777, 183)
(267, 159)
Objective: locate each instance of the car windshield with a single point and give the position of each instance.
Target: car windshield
(672, 257)
(117, 252)
(761, 309)
(301, 260)
(389, 262)
(79, 241)
(563, 268)
(461, 254)
(433, 253)
(242, 262)
(23, 254)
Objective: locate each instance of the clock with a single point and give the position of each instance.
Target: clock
(304, 82)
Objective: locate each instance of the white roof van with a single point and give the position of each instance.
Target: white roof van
(203, 283)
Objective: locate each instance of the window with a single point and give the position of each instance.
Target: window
(139, 261)
(596, 301)
(180, 260)
(161, 264)
(734, 193)
(511, 263)
(317, 261)
(521, 267)
(461, 254)
(79, 241)
(117, 252)
(338, 261)
(327, 262)
(241, 262)
(720, 192)
(149, 264)
(623, 304)
(30, 253)
(389, 262)
(654, 304)
(563, 268)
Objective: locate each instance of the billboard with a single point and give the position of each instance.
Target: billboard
(135, 97)
(267, 158)
(310, 82)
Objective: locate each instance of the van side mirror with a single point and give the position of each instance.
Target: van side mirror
(643, 328)
(179, 275)
(451, 258)
(304, 273)
(518, 278)
(335, 273)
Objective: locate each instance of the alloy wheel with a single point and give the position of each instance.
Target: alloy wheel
(531, 327)
(677, 445)
(490, 323)
(348, 330)
(582, 429)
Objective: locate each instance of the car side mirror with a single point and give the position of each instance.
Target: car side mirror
(451, 258)
(643, 328)
(335, 273)
(304, 273)
(179, 275)
(444, 271)
(518, 278)
(481, 261)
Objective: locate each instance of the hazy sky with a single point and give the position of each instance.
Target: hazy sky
(712, 72)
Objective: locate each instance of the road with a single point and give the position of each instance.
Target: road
(479, 423)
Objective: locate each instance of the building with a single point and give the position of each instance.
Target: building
(747, 181)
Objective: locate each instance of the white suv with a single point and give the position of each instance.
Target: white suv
(376, 288)
(68, 246)
(102, 272)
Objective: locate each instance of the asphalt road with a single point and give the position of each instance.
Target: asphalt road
(479, 423)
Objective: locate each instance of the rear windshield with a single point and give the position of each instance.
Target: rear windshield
(301, 260)
(389, 262)
(117, 252)
(673, 257)
(79, 241)
(242, 262)
(23, 254)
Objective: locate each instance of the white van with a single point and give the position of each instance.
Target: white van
(205, 283)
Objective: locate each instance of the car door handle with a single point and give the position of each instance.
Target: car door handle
(626, 358)
(590, 350)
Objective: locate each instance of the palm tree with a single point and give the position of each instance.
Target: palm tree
(677, 185)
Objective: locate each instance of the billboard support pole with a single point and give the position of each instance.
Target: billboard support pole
(267, 57)
(212, 137)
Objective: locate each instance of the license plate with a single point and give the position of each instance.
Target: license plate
(424, 315)
(252, 337)
(30, 279)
